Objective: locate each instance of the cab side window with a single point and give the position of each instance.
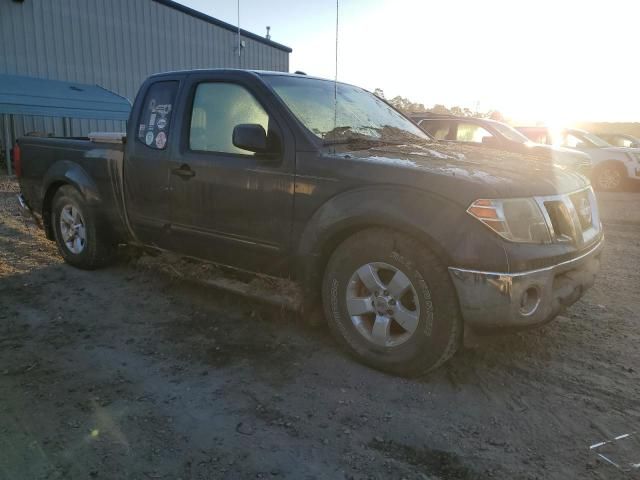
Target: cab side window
(539, 137)
(438, 129)
(155, 117)
(469, 132)
(571, 141)
(217, 108)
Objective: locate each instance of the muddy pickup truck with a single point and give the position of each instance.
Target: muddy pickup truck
(408, 244)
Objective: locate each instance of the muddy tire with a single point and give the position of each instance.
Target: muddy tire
(609, 177)
(76, 231)
(391, 303)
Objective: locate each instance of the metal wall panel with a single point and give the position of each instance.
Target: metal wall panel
(115, 44)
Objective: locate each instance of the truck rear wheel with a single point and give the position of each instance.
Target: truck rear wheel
(76, 233)
(391, 303)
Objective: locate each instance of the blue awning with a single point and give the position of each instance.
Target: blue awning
(21, 95)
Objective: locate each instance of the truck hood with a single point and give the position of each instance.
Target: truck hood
(466, 172)
(560, 155)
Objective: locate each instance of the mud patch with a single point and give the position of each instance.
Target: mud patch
(231, 353)
(445, 465)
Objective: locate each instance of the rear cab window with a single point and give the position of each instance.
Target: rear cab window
(155, 118)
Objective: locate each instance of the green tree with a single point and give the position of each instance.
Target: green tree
(440, 109)
(407, 106)
(379, 93)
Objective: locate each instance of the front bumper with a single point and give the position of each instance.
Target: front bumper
(507, 300)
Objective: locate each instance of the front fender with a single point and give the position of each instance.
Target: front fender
(378, 206)
(443, 225)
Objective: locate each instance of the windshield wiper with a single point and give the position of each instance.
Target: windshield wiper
(359, 140)
(385, 136)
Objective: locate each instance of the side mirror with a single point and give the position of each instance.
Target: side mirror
(250, 136)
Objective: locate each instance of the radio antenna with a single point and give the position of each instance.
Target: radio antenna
(335, 80)
(239, 44)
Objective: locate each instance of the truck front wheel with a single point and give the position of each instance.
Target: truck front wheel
(76, 233)
(391, 303)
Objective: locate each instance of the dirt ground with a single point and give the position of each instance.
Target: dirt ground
(129, 373)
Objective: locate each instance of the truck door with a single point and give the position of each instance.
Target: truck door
(231, 205)
(146, 167)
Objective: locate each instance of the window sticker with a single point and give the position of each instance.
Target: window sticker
(155, 117)
(161, 140)
(162, 110)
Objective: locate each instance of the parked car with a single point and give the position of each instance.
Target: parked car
(613, 166)
(406, 243)
(620, 140)
(498, 135)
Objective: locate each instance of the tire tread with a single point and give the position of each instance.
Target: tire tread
(406, 246)
(98, 251)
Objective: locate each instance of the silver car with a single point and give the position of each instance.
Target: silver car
(621, 139)
(613, 167)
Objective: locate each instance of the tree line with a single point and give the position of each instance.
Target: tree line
(408, 107)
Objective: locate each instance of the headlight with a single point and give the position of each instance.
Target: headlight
(515, 219)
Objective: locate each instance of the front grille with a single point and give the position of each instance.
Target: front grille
(573, 217)
(561, 220)
(582, 204)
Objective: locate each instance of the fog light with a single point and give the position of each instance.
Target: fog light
(529, 301)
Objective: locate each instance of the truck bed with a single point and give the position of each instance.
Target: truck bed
(92, 164)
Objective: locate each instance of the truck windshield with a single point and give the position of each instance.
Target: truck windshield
(592, 139)
(354, 114)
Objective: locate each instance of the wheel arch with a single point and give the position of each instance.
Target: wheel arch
(611, 162)
(60, 174)
(341, 217)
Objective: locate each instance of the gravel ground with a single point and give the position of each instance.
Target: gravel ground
(128, 373)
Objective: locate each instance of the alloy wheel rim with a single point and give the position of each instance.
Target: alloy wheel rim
(610, 179)
(383, 304)
(72, 228)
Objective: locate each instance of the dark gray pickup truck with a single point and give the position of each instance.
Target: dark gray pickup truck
(407, 243)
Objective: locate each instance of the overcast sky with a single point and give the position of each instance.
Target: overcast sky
(549, 60)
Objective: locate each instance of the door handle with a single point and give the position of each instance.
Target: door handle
(184, 172)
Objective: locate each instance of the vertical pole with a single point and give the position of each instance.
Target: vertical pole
(13, 131)
(335, 79)
(239, 42)
(7, 142)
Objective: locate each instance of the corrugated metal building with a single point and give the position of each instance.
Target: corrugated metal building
(116, 44)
